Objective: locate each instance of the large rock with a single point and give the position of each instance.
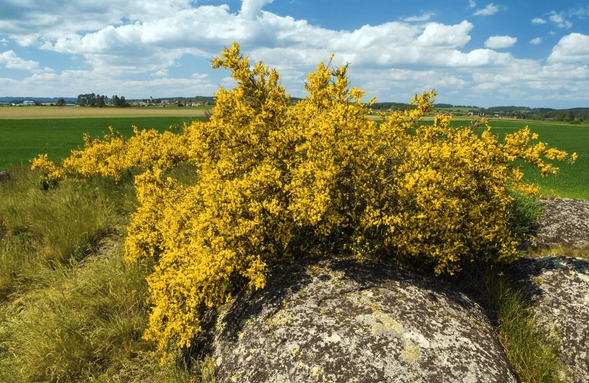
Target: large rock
(347, 321)
(565, 222)
(558, 288)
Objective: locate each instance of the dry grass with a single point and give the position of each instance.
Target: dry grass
(78, 112)
(557, 251)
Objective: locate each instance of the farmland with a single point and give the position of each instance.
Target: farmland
(572, 181)
(27, 132)
(23, 139)
(76, 112)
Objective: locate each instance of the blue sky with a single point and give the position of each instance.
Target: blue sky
(529, 53)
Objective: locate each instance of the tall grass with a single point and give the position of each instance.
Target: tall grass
(47, 228)
(70, 309)
(87, 324)
(533, 357)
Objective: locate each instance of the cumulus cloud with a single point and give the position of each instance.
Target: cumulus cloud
(538, 20)
(559, 20)
(436, 34)
(471, 4)
(252, 8)
(424, 17)
(161, 73)
(489, 10)
(115, 38)
(10, 60)
(498, 42)
(536, 41)
(572, 48)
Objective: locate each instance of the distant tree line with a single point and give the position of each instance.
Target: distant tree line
(391, 106)
(97, 100)
(567, 115)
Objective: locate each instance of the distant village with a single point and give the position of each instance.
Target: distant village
(171, 102)
(97, 100)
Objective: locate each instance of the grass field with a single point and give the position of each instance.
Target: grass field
(572, 180)
(26, 132)
(23, 139)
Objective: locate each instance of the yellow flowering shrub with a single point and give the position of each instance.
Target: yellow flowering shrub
(278, 182)
(113, 155)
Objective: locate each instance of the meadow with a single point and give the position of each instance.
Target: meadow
(23, 139)
(56, 131)
(572, 180)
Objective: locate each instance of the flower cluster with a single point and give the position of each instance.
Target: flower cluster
(113, 155)
(278, 182)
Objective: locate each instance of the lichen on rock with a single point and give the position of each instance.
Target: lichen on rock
(564, 222)
(344, 320)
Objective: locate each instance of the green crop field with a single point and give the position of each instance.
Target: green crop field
(23, 139)
(572, 180)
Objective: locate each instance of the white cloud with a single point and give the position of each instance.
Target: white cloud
(489, 10)
(572, 48)
(390, 60)
(536, 41)
(579, 12)
(538, 20)
(559, 20)
(436, 34)
(471, 4)
(498, 42)
(424, 17)
(10, 60)
(252, 8)
(161, 73)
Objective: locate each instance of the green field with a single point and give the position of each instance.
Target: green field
(23, 139)
(572, 180)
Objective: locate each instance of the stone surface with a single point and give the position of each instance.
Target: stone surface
(565, 222)
(558, 288)
(347, 321)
